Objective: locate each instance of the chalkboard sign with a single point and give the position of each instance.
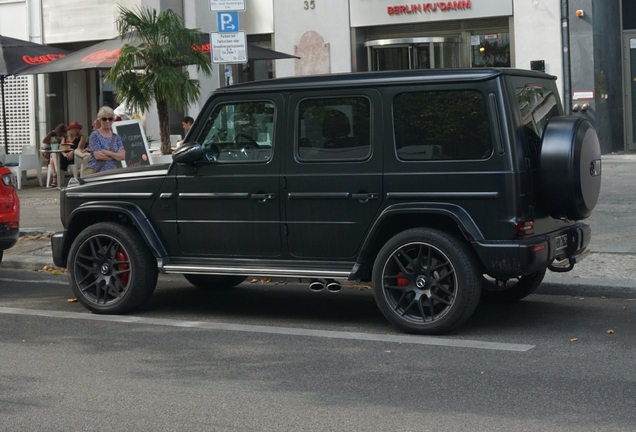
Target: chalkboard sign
(134, 139)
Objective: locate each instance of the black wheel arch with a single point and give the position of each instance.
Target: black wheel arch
(111, 211)
(449, 218)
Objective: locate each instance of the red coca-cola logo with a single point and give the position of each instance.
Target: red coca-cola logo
(102, 56)
(204, 48)
(43, 59)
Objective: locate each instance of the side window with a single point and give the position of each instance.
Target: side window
(442, 125)
(334, 129)
(239, 132)
(537, 105)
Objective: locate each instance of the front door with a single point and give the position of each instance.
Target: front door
(333, 179)
(229, 205)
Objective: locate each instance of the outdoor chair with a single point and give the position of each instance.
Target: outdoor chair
(20, 163)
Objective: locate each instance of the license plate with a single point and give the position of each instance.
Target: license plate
(561, 242)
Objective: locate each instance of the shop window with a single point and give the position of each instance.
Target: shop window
(490, 50)
(442, 125)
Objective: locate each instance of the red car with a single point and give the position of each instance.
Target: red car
(9, 210)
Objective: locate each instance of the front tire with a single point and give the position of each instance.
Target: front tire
(110, 268)
(426, 281)
(214, 282)
(511, 290)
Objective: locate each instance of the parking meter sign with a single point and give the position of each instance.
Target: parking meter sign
(228, 48)
(227, 5)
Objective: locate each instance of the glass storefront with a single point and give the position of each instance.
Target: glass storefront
(413, 53)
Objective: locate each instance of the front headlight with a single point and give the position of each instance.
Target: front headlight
(9, 179)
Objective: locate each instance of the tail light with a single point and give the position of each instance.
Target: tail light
(525, 228)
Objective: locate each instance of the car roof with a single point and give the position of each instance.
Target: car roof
(366, 79)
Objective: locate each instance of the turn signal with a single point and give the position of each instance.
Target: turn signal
(525, 228)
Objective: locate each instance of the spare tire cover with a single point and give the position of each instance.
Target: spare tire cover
(570, 168)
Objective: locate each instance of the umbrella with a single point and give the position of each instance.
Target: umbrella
(104, 55)
(18, 56)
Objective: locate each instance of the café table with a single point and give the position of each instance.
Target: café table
(56, 155)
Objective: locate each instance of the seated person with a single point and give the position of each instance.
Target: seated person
(57, 135)
(76, 140)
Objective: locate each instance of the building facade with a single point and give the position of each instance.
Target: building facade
(592, 59)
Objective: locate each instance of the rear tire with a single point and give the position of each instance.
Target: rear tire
(426, 281)
(513, 289)
(214, 282)
(110, 268)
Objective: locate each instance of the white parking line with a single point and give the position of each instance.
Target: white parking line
(404, 339)
(48, 281)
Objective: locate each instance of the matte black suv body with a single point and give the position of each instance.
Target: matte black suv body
(440, 186)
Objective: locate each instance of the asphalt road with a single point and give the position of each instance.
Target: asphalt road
(279, 357)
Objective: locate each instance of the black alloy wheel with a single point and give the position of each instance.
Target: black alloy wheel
(111, 269)
(510, 290)
(214, 282)
(426, 281)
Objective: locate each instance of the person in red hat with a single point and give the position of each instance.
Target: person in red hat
(76, 141)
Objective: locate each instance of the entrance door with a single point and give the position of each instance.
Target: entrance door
(413, 53)
(629, 44)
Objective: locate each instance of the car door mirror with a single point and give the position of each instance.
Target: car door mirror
(188, 153)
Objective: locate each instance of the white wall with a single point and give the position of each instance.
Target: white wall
(329, 18)
(537, 36)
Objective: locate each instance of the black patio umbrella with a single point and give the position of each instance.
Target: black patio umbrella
(18, 56)
(104, 55)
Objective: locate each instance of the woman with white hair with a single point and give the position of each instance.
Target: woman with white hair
(106, 147)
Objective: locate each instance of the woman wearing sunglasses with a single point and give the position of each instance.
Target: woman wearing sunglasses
(106, 147)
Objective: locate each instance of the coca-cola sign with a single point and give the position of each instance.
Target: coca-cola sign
(41, 59)
(102, 56)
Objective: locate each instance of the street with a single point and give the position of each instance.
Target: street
(275, 356)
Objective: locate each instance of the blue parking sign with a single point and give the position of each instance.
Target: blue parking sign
(227, 22)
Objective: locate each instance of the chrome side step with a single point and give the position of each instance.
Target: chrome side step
(256, 271)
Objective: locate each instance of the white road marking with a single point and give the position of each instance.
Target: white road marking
(405, 339)
(48, 281)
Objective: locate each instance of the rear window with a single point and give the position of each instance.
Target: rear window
(538, 103)
(442, 125)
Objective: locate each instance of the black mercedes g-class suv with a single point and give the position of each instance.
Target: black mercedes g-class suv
(439, 186)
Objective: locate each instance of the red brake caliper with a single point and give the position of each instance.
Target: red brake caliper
(402, 281)
(121, 256)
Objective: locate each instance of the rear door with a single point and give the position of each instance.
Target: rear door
(333, 177)
(229, 205)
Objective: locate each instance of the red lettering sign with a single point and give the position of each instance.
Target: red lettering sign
(43, 59)
(103, 56)
(428, 7)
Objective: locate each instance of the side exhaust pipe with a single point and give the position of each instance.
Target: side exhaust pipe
(333, 286)
(316, 285)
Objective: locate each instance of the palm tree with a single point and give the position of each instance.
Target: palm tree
(154, 69)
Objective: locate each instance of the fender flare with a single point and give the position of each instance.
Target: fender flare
(132, 211)
(457, 213)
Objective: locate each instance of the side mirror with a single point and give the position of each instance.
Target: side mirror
(188, 153)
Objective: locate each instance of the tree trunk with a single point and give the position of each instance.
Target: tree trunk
(164, 126)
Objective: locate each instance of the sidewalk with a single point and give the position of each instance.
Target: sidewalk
(610, 265)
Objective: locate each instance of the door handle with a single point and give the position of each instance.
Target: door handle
(262, 197)
(364, 197)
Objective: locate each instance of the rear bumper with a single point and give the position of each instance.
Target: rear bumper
(8, 236)
(512, 259)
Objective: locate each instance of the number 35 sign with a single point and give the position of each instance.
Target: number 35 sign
(310, 4)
